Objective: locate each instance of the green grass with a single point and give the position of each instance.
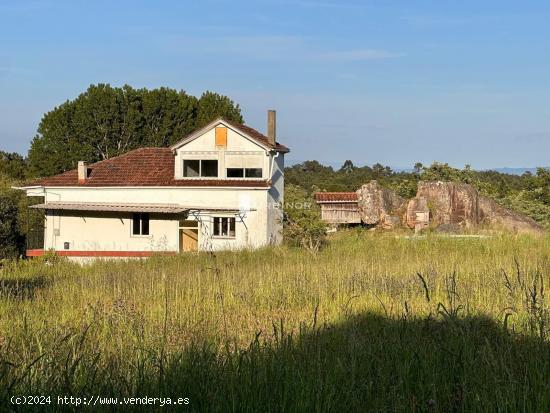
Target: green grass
(371, 323)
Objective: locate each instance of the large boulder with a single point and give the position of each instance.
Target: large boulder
(379, 206)
(445, 206)
(450, 203)
(496, 216)
(459, 205)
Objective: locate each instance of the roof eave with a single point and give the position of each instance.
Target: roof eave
(24, 188)
(227, 124)
(197, 133)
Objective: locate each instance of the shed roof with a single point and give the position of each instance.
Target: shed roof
(336, 197)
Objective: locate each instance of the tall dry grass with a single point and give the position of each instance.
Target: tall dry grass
(372, 321)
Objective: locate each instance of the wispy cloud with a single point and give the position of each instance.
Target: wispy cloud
(276, 47)
(437, 21)
(317, 4)
(358, 55)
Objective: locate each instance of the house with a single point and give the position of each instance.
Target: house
(338, 207)
(219, 188)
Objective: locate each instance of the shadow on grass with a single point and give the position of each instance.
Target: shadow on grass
(22, 289)
(371, 363)
(368, 363)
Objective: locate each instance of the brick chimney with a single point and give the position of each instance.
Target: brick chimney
(82, 171)
(271, 126)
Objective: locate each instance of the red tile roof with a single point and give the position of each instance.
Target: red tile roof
(335, 197)
(140, 167)
(260, 137)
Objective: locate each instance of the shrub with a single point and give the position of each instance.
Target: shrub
(11, 239)
(302, 224)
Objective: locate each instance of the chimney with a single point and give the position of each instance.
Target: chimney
(271, 126)
(82, 171)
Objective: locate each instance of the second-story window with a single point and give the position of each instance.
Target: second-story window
(244, 172)
(195, 168)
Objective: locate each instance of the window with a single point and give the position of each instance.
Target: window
(244, 172)
(224, 227)
(235, 172)
(140, 224)
(253, 172)
(209, 168)
(193, 168)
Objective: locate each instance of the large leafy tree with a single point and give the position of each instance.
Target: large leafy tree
(107, 121)
(212, 105)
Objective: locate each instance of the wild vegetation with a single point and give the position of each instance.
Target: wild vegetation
(372, 322)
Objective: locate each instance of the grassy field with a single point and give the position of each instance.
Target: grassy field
(371, 323)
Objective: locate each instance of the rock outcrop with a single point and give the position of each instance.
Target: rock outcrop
(443, 206)
(496, 216)
(380, 206)
(459, 205)
(450, 203)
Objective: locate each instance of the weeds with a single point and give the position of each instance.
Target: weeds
(369, 323)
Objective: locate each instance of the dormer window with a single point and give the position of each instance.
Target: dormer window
(200, 168)
(244, 172)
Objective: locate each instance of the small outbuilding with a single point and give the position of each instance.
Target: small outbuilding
(338, 207)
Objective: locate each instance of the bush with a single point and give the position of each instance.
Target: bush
(11, 239)
(302, 224)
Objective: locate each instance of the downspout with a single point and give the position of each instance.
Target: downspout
(272, 166)
(270, 228)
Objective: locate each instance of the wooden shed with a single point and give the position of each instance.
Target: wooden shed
(338, 207)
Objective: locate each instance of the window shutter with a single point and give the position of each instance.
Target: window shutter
(221, 136)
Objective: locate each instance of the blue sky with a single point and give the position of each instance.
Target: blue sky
(464, 82)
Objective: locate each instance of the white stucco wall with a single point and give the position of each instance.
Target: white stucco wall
(239, 152)
(101, 231)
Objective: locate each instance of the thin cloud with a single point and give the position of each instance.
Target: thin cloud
(358, 55)
(277, 47)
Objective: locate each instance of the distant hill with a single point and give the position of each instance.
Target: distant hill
(515, 171)
(504, 170)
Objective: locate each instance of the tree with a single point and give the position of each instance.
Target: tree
(12, 166)
(11, 239)
(347, 167)
(107, 121)
(168, 116)
(302, 225)
(212, 105)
